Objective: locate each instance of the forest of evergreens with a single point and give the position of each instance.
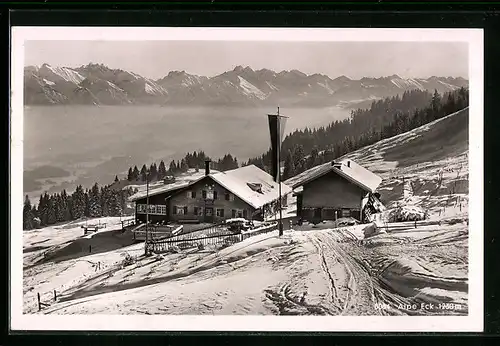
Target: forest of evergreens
(304, 149)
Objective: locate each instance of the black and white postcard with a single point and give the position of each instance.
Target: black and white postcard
(232, 179)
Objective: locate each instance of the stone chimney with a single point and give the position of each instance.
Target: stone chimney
(207, 167)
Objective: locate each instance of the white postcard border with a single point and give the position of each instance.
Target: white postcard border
(472, 322)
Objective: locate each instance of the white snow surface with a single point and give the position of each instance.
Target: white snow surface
(250, 89)
(403, 83)
(154, 89)
(354, 173)
(272, 86)
(48, 82)
(114, 86)
(191, 80)
(67, 74)
(236, 181)
(449, 86)
(327, 87)
(181, 181)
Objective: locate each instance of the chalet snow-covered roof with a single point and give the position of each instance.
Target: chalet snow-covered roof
(249, 183)
(180, 182)
(347, 169)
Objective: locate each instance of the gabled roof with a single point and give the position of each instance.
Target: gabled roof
(347, 169)
(159, 188)
(243, 182)
(249, 183)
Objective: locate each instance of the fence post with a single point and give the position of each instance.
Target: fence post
(39, 303)
(90, 248)
(55, 295)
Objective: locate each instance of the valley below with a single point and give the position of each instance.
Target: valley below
(93, 144)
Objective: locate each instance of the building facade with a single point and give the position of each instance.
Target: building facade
(333, 191)
(246, 192)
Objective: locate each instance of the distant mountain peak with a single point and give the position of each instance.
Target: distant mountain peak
(241, 69)
(342, 78)
(299, 73)
(97, 83)
(176, 73)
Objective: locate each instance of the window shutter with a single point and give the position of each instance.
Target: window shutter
(193, 194)
(188, 194)
(204, 193)
(234, 213)
(215, 194)
(195, 210)
(175, 210)
(185, 210)
(245, 213)
(222, 213)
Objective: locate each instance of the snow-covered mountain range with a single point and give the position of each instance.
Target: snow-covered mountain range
(100, 85)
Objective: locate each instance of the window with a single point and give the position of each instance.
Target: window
(159, 209)
(215, 194)
(219, 212)
(191, 194)
(195, 210)
(233, 215)
(245, 213)
(204, 194)
(346, 212)
(180, 210)
(229, 196)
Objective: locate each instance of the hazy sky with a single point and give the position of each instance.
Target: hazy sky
(154, 59)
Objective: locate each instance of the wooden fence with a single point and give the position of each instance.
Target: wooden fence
(406, 225)
(218, 235)
(127, 223)
(156, 232)
(43, 305)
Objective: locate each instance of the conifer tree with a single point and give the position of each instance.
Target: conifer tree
(42, 209)
(78, 203)
(143, 172)
(162, 170)
(289, 169)
(130, 174)
(94, 202)
(51, 211)
(28, 222)
(135, 173)
(86, 212)
(172, 169)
